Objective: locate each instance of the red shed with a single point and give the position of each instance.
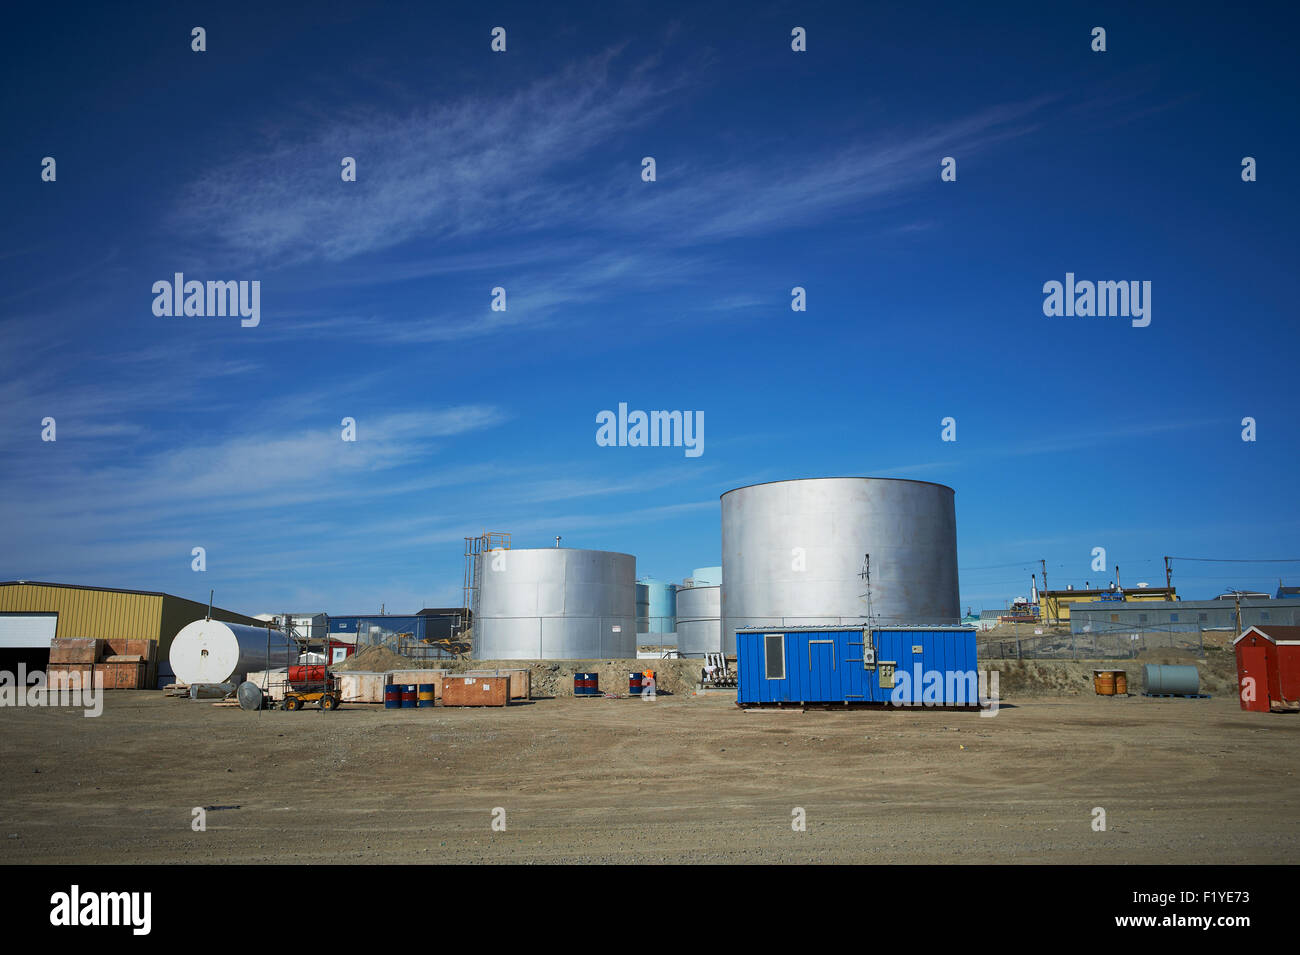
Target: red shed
(1268, 668)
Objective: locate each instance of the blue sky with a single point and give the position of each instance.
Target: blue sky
(522, 170)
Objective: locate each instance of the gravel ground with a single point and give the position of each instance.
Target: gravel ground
(682, 779)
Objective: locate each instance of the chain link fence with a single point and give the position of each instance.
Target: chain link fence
(1117, 644)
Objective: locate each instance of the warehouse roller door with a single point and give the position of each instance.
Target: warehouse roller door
(27, 631)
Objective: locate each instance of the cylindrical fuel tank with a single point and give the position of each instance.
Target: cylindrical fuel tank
(838, 551)
(707, 576)
(208, 651)
(642, 608)
(303, 673)
(699, 621)
(556, 603)
(661, 605)
(1171, 679)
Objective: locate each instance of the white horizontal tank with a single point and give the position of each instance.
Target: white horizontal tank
(209, 651)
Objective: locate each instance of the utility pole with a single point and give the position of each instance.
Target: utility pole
(1044, 598)
(1118, 586)
(1236, 599)
(1168, 574)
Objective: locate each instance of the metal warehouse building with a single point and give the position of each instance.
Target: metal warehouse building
(401, 633)
(903, 666)
(33, 613)
(1180, 615)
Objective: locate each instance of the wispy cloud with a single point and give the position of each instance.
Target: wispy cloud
(479, 165)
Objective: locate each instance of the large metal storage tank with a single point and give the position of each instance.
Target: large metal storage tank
(208, 651)
(556, 603)
(794, 554)
(661, 613)
(642, 608)
(707, 576)
(699, 620)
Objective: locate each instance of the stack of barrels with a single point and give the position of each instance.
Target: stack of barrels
(1110, 682)
(586, 684)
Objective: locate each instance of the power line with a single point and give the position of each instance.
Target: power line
(1238, 560)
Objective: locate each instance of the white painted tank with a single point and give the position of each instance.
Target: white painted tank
(209, 651)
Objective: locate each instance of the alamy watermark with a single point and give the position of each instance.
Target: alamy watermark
(654, 429)
(947, 688)
(1086, 299)
(80, 688)
(208, 300)
(127, 909)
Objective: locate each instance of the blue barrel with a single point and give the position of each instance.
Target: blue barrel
(409, 697)
(634, 684)
(586, 684)
(392, 697)
(425, 695)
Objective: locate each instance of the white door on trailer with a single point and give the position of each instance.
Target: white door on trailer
(27, 631)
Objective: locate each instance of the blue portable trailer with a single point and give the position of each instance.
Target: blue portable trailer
(885, 666)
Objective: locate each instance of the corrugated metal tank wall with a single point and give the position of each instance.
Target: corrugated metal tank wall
(556, 603)
(793, 554)
(699, 620)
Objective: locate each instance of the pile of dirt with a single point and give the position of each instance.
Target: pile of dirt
(377, 659)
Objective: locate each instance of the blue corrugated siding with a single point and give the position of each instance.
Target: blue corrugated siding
(388, 624)
(825, 666)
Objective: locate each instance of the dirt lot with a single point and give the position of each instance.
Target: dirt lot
(682, 779)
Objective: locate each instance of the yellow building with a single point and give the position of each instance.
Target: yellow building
(1054, 605)
(32, 613)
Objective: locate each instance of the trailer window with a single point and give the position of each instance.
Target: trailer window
(774, 654)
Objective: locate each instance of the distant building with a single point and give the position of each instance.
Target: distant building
(406, 634)
(1179, 616)
(1056, 604)
(1287, 593)
(444, 622)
